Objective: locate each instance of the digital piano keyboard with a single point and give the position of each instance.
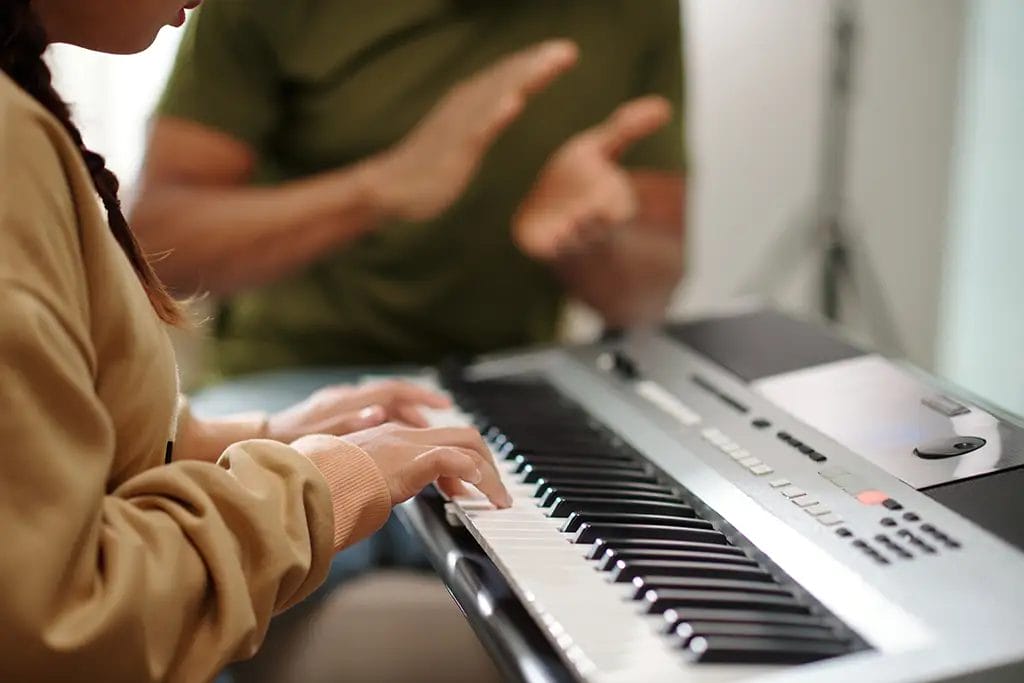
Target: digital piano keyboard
(735, 499)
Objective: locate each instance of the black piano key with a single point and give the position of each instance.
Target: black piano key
(642, 585)
(546, 484)
(532, 426)
(589, 533)
(674, 616)
(691, 629)
(577, 519)
(564, 507)
(539, 441)
(523, 461)
(746, 650)
(603, 546)
(658, 600)
(626, 570)
(611, 491)
(533, 473)
(607, 561)
(572, 457)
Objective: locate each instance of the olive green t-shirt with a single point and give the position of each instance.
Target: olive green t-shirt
(314, 85)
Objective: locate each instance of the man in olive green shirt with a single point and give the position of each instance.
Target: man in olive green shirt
(363, 182)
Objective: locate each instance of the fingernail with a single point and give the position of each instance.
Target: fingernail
(476, 477)
(508, 499)
(371, 413)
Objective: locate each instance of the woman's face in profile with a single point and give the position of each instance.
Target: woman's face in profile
(117, 26)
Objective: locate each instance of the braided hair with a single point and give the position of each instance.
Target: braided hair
(23, 41)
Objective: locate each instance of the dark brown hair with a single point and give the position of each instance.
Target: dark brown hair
(22, 44)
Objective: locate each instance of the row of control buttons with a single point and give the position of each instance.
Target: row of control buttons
(929, 529)
(796, 443)
(906, 536)
(940, 536)
(809, 504)
(871, 552)
(918, 543)
(736, 452)
(895, 548)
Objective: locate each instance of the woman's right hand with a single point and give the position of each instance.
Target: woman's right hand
(411, 458)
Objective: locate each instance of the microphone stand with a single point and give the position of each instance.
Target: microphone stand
(836, 243)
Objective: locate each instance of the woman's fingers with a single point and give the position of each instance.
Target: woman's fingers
(461, 437)
(365, 418)
(452, 487)
(389, 392)
(466, 464)
(411, 415)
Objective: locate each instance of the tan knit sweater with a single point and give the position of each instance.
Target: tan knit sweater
(113, 565)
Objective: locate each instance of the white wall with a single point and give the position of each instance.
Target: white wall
(757, 70)
(112, 97)
(983, 325)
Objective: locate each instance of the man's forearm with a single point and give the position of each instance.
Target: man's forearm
(222, 239)
(629, 278)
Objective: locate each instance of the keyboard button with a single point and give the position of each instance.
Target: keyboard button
(792, 492)
(892, 504)
(761, 469)
(778, 483)
(804, 501)
(831, 519)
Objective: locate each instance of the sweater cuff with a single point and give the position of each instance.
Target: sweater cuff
(360, 497)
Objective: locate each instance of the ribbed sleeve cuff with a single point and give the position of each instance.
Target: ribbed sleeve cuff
(359, 493)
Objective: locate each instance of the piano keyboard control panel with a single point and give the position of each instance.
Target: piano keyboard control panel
(670, 524)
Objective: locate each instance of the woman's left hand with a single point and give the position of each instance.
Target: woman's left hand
(345, 409)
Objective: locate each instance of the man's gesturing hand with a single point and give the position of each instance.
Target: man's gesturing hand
(429, 169)
(583, 193)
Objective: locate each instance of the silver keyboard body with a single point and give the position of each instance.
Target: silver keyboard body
(955, 615)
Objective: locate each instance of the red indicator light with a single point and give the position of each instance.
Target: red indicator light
(872, 497)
